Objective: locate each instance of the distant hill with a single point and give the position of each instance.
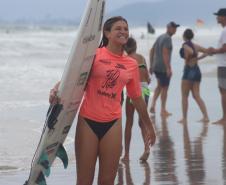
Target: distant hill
(157, 12)
(161, 12)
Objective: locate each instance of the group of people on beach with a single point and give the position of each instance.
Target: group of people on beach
(160, 64)
(117, 65)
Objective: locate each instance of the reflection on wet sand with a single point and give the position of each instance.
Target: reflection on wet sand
(193, 155)
(124, 172)
(147, 173)
(184, 154)
(164, 157)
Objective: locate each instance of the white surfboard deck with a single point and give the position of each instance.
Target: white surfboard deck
(60, 117)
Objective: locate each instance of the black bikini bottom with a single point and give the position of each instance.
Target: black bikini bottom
(100, 128)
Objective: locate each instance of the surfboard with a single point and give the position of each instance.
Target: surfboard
(60, 116)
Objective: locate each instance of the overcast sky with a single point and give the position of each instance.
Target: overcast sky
(54, 9)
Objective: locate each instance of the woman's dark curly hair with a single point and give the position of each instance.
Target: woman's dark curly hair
(131, 46)
(188, 34)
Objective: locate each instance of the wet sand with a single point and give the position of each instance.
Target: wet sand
(186, 154)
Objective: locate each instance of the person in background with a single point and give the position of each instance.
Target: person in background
(99, 129)
(192, 75)
(130, 49)
(220, 53)
(160, 64)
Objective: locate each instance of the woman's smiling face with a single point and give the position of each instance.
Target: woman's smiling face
(118, 34)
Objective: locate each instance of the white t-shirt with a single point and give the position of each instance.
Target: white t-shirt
(221, 58)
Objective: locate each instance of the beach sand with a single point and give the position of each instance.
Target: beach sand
(184, 154)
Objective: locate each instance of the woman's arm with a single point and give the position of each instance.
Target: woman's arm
(151, 57)
(146, 123)
(203, 50)
(188, 52)
(212, 50)
(146, 74)
(204, 55)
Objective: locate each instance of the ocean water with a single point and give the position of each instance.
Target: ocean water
(32, 60)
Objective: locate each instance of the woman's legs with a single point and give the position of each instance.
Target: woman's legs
(86, 151)
(185, 88)
(155, 96)
(110, 148)
(146, 153)
(200, 102)
(164, 95)
(129, 124)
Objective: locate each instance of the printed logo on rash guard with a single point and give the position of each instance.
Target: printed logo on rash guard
(109, 95)
(111, 78)
(110, 82)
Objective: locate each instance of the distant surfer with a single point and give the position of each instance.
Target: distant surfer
(99, 129)
(150, 28)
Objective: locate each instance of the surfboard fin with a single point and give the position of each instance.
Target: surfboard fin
(41, 179)
(62, 154)
(44, 162)
(53, 113)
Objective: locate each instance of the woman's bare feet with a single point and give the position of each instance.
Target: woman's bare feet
(183, 120)
(204, 120)
(125, 158)
(165, 113)
(145, 155)
(220, 122)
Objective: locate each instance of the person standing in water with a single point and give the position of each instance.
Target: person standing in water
(99, 129)
(160, 65)
(130, 49)
(192, 75)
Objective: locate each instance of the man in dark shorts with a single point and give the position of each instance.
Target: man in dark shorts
(220, 53)
(160, 64)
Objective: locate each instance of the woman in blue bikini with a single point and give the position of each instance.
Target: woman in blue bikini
(192, 76)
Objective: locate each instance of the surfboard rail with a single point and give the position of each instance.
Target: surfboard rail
(60, 116)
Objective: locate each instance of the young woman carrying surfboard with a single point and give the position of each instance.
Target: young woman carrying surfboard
(99, 129)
